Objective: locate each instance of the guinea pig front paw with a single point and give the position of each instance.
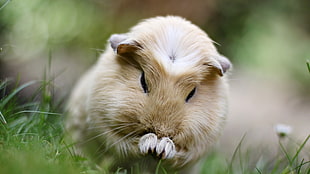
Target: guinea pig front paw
(165, 148)
(147, 143)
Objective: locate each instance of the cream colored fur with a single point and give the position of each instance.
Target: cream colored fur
(110, 116)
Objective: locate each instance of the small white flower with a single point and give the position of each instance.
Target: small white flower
(282, 130)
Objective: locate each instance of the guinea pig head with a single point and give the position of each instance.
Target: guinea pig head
(164, 91)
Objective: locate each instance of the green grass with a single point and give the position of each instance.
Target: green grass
(4, 4)
(32, 141)
(32, 135)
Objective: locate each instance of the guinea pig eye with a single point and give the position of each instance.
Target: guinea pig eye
(190, 95)
(143, 83)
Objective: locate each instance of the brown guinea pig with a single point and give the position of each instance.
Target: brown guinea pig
(158, 93)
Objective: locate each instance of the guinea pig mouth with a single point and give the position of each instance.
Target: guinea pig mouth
(159, 131)
(144, 132)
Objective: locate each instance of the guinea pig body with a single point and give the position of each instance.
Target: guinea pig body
(158, 92)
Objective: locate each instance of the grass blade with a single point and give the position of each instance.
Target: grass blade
(2, 118)
(37, 112)
(9, 97)
(5, 4)
(157, 167)
(276, 166)
(300, 148)
(286, 153)
(258, 170)
(235, 154)
(3, 84)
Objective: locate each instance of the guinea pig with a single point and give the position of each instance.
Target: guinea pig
(157, 93)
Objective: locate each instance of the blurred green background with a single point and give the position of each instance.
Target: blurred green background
(267, 41)
(269, 37)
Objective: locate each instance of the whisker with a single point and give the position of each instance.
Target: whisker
(125, 146)
(113, 125)
(107, 148)
(112, 121)
(106, 132)
(121, 139)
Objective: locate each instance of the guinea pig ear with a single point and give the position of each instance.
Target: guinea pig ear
(220, 63)
(122, 45)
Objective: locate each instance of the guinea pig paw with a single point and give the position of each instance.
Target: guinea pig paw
(148, 143)
(165, 148)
